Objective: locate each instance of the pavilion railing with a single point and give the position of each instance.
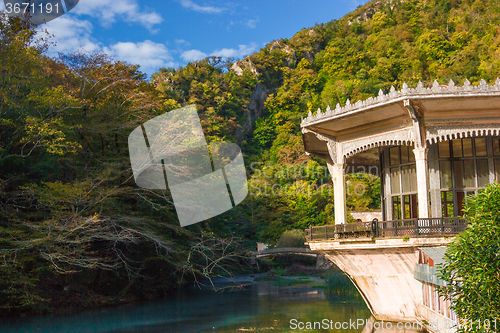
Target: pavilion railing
(409, 227)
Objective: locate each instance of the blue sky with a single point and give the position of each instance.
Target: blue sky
(170, 33)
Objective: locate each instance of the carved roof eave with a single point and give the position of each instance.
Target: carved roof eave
(437, 134)
(403, 136)
(436, 91)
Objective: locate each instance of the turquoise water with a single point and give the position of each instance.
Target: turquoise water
(258, 307)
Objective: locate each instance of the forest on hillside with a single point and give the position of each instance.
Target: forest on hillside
(75, 230)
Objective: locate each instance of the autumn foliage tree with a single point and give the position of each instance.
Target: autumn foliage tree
(70, 212)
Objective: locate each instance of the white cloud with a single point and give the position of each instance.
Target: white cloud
(2, 6)
(188, 4)
(150, 55)
(107, 12)
(70, 34)
(181, 42)
(252, 24)
(193, 55)
(249, 23)
(242, 51)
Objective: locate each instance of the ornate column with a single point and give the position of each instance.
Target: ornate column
(386, 190)
(420, 152)
(336, 166)
(339, 192)
(422, 181)
(434, 181)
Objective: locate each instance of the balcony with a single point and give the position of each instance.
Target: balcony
(416, 227)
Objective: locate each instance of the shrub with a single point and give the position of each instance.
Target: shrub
(473, 264)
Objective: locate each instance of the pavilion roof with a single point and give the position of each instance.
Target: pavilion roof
(420, 92)
(468, 107)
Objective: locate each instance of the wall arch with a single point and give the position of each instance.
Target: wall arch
(395, 138)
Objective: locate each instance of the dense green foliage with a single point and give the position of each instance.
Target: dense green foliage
(381, 44)
(473, 264)
(218, 93)
(74, 227)
(292, 238)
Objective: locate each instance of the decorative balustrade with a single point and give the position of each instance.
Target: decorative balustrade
(398, 228)
(420, 91)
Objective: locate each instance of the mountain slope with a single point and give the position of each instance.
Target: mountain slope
(379, 45)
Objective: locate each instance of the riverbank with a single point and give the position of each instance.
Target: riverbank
(90, 290)
(258, 305)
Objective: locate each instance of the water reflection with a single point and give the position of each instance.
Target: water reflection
(259, 307)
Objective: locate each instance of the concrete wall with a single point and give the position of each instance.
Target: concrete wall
(437, 322)
(367, 216)
(384, 278)
(383, 272)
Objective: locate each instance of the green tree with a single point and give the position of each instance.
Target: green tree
(70, 212)
(473, 264)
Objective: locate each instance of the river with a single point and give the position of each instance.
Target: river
(264, 306)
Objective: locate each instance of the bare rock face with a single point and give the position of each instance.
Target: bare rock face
(306, 43)
(255, 107)
(254, 110)
(278, 45)
(281, 46)
(366, 15)
(239, 66)
(237, 69)
(315, 47)
(374, 7)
